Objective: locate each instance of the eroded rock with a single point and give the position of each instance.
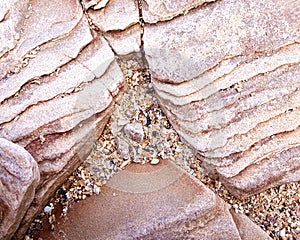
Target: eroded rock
(158, 11)
(229, 83)
(127, 41)
(58, 92)
(19, 177)
(117, 15)
(47, 27)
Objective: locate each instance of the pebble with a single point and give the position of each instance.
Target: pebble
(154, 161)
(134, 131)
(48, 209)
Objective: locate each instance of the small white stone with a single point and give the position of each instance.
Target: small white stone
(96, 189)
(282, 232)
(48, 209)
(154, 161)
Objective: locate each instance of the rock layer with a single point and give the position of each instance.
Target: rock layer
(19, 177)
(227, 75)
(59, 81)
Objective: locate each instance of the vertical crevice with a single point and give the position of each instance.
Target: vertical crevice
(142, 23)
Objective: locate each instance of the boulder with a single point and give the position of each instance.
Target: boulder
(227, 76)
(19, 177)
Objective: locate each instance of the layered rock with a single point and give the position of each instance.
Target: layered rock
(57, 89)
(227, 75)
(118, 20)
(19, 177)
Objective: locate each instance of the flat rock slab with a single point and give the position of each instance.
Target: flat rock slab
(151, 202)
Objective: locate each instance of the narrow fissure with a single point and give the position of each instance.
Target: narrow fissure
(142, 23)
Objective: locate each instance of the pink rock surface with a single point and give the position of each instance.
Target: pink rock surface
(117, 15)
(19, 177)
(151, 202)
(229, 83)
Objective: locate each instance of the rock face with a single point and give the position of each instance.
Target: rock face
(58, 83)
(227, 75)
(19, 177)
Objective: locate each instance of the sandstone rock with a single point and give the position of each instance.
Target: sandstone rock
(229, 83)
(46, 27)
(11, 15)
(56, 101)
(157, 11)
(125, 42)
(19, 177)
(61, 138)
(49, 58)
(153, 202)
(247, 229)
(117, 15)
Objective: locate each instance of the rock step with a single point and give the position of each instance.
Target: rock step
(152, 202)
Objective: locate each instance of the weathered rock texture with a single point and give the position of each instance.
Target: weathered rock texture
(153, 202)
(227, 74)
(19, 177)
(58, 82)
(119, 23)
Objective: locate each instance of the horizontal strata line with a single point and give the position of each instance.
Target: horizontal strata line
(252, 111)
(231, 80)
(182, 125)
(18, 89)
(233, 160)
(182, 101)
(162, 86)
(64, 34)
(35, 137)
(258, 126)
(235, 164)
(51, 123)
(180, 14)
(267, 159)
(56, 135)
(22, 91)
(241, 97)
(229, 105)
(49, 127)
(226, 152)
(263, 149)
